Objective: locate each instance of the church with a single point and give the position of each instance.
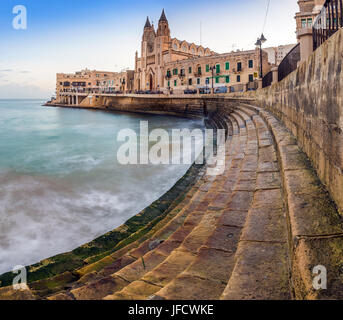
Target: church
(167, 64)
(158, 49)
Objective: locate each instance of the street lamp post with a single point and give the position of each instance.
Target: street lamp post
(259, 43)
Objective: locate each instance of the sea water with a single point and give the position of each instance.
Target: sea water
(60, 182)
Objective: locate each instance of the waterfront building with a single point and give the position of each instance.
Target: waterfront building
(168, 63)
(88, 81)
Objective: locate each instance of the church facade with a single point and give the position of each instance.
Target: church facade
(167, 63)
(159, 49)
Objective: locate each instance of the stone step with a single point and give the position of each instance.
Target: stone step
(144, 257)
(315, 225)
(209, 270)
(139, 256)
(181, 257)
(128, 254)
(261, 263)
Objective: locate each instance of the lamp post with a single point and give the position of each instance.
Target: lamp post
(259, 43)
(212, 69)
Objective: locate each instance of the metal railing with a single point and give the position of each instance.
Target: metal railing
(289, 63)
(267, 79)
(329, 20)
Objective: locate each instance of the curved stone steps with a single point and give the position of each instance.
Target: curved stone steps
(316, 228)
(140, 260)
(181, 257)
(261, 262)
(207, 275)
(143, 258)
(177, 262)
(134, 251)
(255, 232)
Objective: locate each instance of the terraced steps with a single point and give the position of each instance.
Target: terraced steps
(254, 232)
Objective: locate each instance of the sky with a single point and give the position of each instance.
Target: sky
(70, 35)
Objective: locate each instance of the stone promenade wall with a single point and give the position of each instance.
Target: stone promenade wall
(189, 107)
(310, 103)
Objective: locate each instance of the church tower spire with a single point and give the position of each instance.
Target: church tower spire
(147, 23)
(163, 26)
(163, 17)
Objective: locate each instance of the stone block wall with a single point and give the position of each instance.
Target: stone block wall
(310, 103)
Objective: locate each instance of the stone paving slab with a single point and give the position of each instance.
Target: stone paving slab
(261, 273)
(266, 224)
(99, 289)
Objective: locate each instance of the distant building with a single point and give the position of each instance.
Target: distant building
(305, 18)
(309, 9)
(277, 54)
(168, 63)
(91, 80)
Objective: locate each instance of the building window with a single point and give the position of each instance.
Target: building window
(168, 84)
(227, 79)
(175, 72)
(251, 78)
(309, 23)
(190, 70)
(175, 83)
(239, 66)
(190, 82)
(207, 68)
(303, 23)
(238, 78)
(227, 65)
(217, 79)
(168, 73)
(198, 80)
(207, 80)
(199, 70)
(218, 68)
(251, 64)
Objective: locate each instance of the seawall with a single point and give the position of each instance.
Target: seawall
(310, 103)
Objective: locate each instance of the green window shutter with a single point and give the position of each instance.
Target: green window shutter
(227, 79)
(218, 68)
(227, 65)
(207, 68)
(168, 83)
(175, 83)
(217, 79)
